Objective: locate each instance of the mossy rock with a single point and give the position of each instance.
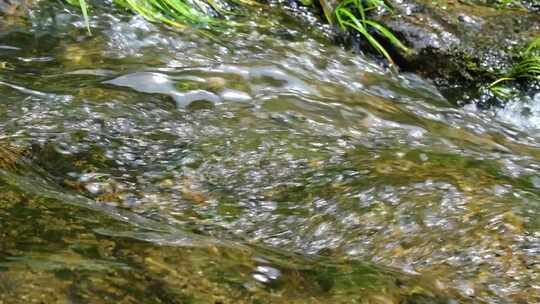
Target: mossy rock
(463, 44)
(455, 42)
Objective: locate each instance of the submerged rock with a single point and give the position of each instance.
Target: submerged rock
(13, 7)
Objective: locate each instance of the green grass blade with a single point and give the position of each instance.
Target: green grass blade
(502, 92)
(360, 7)
(387, 34)
(327, 10)
(84, 9)
(347, 19)
(527, 68)
(142, 10)
(374, 43)
(534, 45)
(498, 81)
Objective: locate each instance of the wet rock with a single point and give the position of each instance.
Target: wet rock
(456, 42)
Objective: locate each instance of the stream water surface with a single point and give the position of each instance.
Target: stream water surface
(257, 164)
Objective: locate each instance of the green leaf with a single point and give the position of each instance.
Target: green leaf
(388, 35)
(346, 19)
(84, 9)
(496, 82)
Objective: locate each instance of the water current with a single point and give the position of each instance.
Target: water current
(259, 163)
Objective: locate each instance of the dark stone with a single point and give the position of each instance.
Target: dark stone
(459, 43)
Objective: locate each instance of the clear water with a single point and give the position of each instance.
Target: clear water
(260, 164)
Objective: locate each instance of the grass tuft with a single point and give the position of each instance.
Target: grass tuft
(527, 68)
(346, 15)
(171, 12)
(349, 14)
(534, 46)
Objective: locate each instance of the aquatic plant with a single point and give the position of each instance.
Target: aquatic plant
(171, 12)
(168, 11)
(346, 14)
(349, 14)
(84, 9)
(528, 67)
(533, 46)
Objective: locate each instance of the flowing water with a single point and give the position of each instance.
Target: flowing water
(257, 164)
